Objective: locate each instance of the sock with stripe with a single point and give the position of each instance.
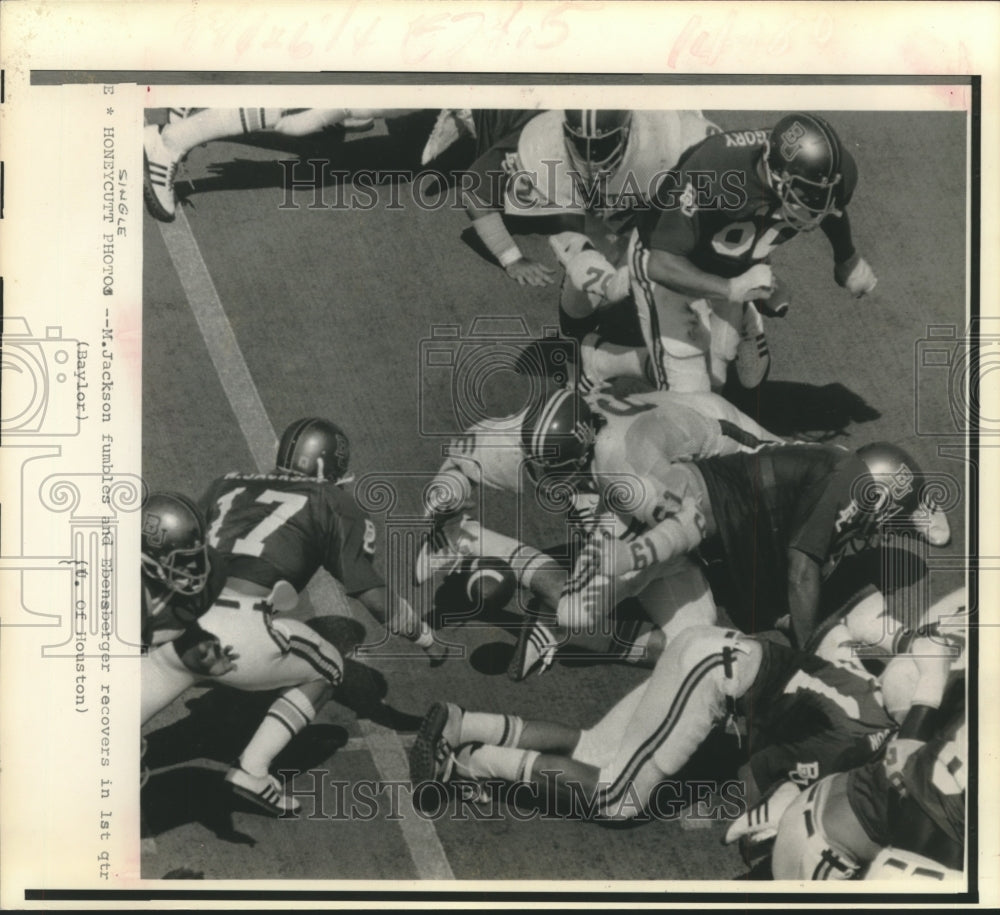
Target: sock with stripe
(288, 715)
(526, 561)
(180, 137)
(490, 728)
(486, 761)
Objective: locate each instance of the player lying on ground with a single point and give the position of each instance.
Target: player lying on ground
(588, 444)
(700, 261)
(779, 520)
(810, 716)
(276, 530)
(902, 815)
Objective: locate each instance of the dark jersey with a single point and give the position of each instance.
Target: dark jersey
(716, 210)
(809, 718)
(166, 613)
(276, 526)
(790, 496)
(922, 807)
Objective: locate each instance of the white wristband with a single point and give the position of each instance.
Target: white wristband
(509, 256)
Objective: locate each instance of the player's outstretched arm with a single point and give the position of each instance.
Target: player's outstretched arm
(678, 273)
(398, 616)
(804, 581)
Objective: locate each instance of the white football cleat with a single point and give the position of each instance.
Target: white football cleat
(535, 652)
(159, 169)
(760, 823)
(262, 790)
(753, 359)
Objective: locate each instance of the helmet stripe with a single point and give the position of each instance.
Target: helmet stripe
(548, 412)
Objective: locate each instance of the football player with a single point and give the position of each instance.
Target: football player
(276, 530)
(591, 172)
(165, 147)
(902, 815)
(598, 442)
(780, 519)
(707, 675)
(700, 261)
(181, 578)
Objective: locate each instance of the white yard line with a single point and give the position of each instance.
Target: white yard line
(385, 746)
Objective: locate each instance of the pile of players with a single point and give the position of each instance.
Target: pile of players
(850, 768)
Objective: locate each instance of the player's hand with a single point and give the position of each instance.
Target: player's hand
(855, 275)
(208, 658)
(527, 272)
(756, 283)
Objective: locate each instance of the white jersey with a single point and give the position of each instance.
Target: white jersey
(542, 183)
(640, 431)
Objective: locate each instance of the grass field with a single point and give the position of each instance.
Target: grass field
(327, 311)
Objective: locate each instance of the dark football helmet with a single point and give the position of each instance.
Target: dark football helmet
(174, 551)
(315, 448)
(596, 140)
(896, 479)
(560, 435)
(802, 161)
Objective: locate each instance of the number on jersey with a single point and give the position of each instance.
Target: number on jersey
(286, 504)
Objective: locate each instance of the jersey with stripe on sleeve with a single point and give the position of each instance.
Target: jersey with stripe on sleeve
(277, 526)
(716, 209)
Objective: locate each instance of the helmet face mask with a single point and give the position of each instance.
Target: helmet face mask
(596, 140)
(802, 166)
(314, 448)
(174, 551)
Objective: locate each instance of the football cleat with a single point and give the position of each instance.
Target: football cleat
(431, 756)
(535, 652)
(178, 114)
(760, 823)
(262, 790)
(159, 169)
(753, 359)
(445, 548)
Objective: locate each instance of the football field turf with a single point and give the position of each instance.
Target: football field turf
(256, 314)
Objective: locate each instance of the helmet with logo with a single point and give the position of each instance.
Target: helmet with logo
(315, 448)
(802, 162)
(560, 435)
(895, 476)
(174, 551)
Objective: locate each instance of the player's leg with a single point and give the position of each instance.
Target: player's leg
(701, 671)
(273, 653)
(251, 777)
(164, 148)
(162, 679)
(602, 360)
(676, 329)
